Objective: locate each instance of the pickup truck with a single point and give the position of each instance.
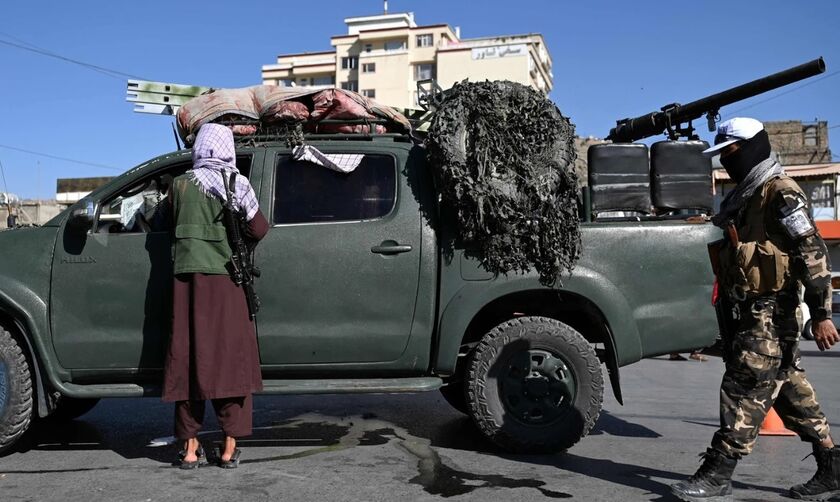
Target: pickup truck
(364, 289)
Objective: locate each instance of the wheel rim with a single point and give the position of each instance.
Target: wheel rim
(4, 386)
(537, 387)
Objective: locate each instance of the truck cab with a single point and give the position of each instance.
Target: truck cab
(364, 288)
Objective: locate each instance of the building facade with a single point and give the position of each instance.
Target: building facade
(797, 142)
(382, 57)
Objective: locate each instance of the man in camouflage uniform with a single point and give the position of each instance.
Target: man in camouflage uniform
(771, 247)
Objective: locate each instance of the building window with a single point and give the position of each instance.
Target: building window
(312, 194)
(286, 82)
(349, 63)
(368, 47)
(303, 81)
(369, 93)
(810, 136)
(395, 45)
(327, 80)
(426, 40)
(424, 71)
(368, 67)
(350, 85)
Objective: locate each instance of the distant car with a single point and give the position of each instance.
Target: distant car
(807, 333)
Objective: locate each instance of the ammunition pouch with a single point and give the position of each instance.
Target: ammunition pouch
(753, 268)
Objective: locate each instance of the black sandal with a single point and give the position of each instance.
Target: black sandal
(200, 460)
(233, 463)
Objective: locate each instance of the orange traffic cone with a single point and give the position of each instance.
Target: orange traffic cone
(773, 425)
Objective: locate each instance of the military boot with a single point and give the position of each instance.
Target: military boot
(712, 481)
(826, 482)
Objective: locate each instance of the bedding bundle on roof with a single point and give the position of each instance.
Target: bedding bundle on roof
(247, 109)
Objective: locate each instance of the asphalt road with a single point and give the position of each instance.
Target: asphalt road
(411, 447)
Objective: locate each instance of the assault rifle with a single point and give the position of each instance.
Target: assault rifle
(672, 116)
(242, 268)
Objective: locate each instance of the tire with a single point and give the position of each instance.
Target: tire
(807, 332)
(15, 392)
(71, 408)
(534, 385)
(455, 396)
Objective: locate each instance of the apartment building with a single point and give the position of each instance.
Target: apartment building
(383, 57)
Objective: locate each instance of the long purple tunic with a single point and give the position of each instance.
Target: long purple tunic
(213, 350)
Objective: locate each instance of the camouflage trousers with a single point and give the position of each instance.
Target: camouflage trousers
(763, 369)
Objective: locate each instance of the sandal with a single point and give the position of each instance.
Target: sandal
(198, 462)
(233, 463)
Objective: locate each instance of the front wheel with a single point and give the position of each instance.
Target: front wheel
(15, 391)
(534, 385)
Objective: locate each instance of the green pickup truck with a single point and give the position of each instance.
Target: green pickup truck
(364, 289)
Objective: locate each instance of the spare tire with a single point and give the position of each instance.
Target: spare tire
(503, 159)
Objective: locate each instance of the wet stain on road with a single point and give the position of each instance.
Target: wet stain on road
(438, 478)
(435, 477)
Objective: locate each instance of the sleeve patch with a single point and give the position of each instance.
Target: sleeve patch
(797, 224)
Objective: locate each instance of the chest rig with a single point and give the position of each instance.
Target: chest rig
(752, 260)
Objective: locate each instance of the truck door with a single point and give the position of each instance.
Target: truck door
(341, 263)
(111, 302)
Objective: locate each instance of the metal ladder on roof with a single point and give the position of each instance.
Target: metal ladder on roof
(160, 98)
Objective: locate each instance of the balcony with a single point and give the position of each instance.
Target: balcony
(300, 61)
(382, 52)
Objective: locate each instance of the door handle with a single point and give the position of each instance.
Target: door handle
(390, 247)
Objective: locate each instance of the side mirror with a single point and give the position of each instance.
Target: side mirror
(82, 216)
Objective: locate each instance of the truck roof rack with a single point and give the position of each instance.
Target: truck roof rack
(164, 98)
(293, 134)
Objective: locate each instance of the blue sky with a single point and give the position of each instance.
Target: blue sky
(612, 59)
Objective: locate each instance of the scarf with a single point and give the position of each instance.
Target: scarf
(214, 160)
(751, 152)
(737, 198)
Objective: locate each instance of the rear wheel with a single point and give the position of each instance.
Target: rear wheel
(15, 391)
(534, 385)
(70, 408)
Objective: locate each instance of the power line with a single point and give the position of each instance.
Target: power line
(806, 84)
(103, 166)
(44, 52)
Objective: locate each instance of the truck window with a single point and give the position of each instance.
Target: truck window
(143, 207)
(309, 193)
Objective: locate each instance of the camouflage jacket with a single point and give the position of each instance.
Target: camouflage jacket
(777, 217)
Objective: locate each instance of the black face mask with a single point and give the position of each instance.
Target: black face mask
(751, 153)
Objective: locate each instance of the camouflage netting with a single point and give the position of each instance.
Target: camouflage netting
(504, 158)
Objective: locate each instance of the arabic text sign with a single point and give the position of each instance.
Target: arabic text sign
(499, 51)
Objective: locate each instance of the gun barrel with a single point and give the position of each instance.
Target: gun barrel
(656, 122)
